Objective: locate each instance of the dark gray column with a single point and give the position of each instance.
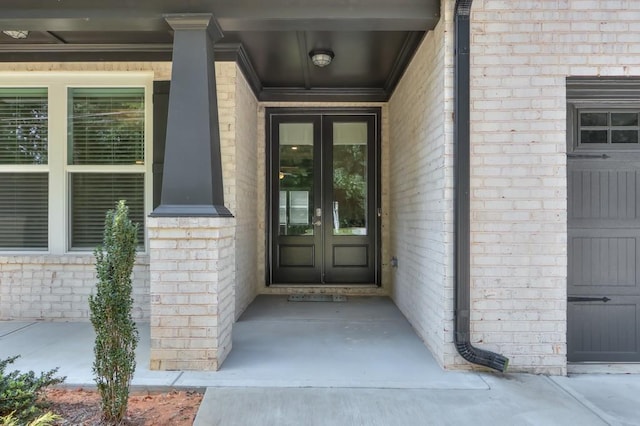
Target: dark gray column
(192, 173)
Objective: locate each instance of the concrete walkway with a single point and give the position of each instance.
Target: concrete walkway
(339, 363)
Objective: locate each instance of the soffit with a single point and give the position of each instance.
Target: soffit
(373, 40)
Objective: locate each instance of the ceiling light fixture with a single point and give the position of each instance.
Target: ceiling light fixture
(321, 58)
(17, 34)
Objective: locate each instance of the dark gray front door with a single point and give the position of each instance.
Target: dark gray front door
(323, 197)
(604, 253)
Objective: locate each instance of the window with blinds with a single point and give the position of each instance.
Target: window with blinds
(106, 126)
(24, 184)
(24, 211)
(106, 137)
(23, 126)
(58, 179)
(95, 193)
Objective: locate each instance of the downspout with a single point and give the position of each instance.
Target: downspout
(462, 282)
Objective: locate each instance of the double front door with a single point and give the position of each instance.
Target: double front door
(324, 203)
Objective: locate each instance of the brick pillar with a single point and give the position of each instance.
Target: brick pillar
(192, 291)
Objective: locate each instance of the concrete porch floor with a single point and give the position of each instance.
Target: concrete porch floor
(338, 363)
(364, 342)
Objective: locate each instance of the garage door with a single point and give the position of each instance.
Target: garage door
(604, 237)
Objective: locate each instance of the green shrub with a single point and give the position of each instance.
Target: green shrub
(46, 419)
(116, 333)
(19, 392)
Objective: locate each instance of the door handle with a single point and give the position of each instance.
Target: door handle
(318, 218)
(588, 156)
(587, 299)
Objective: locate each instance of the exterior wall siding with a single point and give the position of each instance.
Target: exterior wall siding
(421, 196)
(37, 287)
(192, 291)
(521, 55)
(245, 126)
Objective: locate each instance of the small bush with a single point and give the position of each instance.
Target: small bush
(19, 392)
(111, 306)
(46, 419)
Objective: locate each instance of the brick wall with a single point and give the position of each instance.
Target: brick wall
(518, 185)
(237, 113)
(521, 53)
(226, 91)
(421, 206)
(192, 273)
(246, 171)
(58, 287)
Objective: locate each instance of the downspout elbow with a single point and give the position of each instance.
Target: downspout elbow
(481, 357)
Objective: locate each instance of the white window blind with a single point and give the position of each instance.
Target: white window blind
(24, 211)
(95, 193)
(106, 137)
(71, 146)
(106, 126)
(23, 126)
(23, 183)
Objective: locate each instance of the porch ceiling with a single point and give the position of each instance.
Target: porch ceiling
(373, 40)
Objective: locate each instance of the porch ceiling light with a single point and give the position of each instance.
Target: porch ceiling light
(17, 34)
(321, 58)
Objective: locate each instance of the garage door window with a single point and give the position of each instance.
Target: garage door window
(608, 127)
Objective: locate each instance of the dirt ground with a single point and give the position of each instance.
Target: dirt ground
(82, 407)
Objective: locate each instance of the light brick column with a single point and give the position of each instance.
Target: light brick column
(192, 291)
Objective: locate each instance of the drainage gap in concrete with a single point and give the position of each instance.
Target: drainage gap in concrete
(317, 298)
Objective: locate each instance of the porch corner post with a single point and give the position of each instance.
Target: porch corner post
(191, 233)
(192, 175)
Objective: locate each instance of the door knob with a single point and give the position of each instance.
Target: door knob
(318, 219)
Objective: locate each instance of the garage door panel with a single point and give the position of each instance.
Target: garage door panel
(603, 261)
(597, 194)
(600, 331)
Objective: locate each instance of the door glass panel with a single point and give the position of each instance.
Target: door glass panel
(295, 177)
(624, 118)
(349, 204)
(593, 136)
(593, 119)
(624, 136)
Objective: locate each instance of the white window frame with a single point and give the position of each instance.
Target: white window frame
(57, 84)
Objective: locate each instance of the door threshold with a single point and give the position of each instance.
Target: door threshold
(337, 289)
(316, 298)
(603, 368)
(307, 285)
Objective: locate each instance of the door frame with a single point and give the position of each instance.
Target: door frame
(270, 112)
